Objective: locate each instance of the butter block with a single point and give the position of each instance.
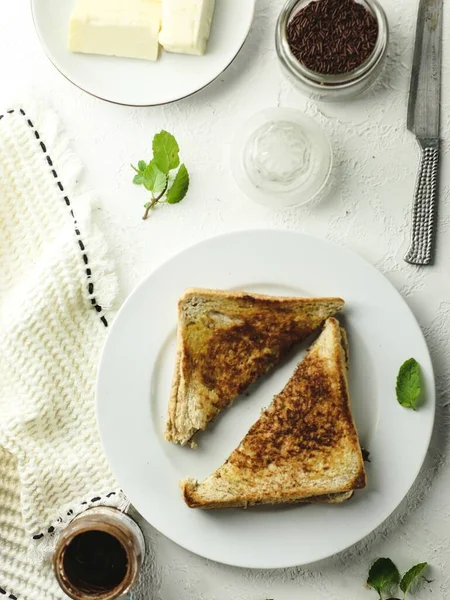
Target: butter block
(186, 25)
(128, 28)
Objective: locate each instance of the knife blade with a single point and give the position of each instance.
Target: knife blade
(423, 121)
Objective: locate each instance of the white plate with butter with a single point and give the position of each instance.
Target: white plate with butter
(135, 378)
(134, 27)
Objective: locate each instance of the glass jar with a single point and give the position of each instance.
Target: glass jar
(99, 555)
(331, 87)
(281, 158)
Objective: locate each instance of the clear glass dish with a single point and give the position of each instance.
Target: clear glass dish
(281, 158)
(331, 87)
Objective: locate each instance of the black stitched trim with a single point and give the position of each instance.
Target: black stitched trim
(2, 591)
(66, 199)
(51, 529)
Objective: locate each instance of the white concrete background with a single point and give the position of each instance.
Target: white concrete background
(368, 211)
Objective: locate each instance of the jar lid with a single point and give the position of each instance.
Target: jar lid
(281, 158)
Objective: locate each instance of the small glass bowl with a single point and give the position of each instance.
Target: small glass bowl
(281, 158)
(330, 88)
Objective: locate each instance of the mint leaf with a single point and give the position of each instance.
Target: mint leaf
(410, 576)
(165, 152)
(154, 179)
(179, 187)
(409, 385)
(383, 575)
(160, 183)
(139, 177)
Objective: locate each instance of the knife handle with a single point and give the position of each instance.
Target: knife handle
(421, 251)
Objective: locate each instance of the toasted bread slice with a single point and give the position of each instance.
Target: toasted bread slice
(226, 341)
(304, 447)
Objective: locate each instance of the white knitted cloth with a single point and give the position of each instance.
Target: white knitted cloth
(55, 288)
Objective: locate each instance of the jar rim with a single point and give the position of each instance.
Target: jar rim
(319, 80)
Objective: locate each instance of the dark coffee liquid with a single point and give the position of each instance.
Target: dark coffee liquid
(95, 562)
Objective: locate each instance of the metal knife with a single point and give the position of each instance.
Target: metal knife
(424, 121)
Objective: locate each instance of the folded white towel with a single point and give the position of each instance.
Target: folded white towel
(56, 286)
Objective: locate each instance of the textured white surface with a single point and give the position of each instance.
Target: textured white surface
(368, 211)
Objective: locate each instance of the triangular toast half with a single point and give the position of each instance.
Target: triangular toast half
(226, 341)
(304, 447)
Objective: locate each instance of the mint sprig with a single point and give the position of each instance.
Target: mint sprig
(159, 177)
(384, 577)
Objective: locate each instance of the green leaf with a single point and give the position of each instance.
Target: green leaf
(154, 179)
(160, 184)
(142, 165)
(383, 575)
(409, 385)
(165, 151)
(179, 186)
(138, 179)
(409, 577)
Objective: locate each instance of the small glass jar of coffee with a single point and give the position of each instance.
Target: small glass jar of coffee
(99, 555)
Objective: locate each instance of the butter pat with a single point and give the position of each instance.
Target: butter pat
(186, 25)
(128, 28)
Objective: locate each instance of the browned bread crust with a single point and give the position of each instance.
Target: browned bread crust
(226, 341)
(190, 486)
(304, 446)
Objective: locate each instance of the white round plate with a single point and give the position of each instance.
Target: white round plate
(138, 82)
(134, 387)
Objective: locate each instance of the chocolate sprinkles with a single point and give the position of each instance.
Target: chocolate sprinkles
(332, 37)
